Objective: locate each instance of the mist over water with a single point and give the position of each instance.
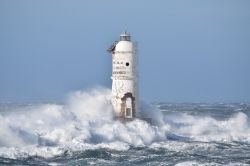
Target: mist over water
(83, 131)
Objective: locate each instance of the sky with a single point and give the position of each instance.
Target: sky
(189, 51)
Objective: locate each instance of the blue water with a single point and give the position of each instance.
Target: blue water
(82, 132)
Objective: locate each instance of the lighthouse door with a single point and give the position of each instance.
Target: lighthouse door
(128, 108)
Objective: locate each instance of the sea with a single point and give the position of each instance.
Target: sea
(82, 131)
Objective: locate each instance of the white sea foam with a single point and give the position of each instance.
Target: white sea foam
(236, 128)
(86, 122)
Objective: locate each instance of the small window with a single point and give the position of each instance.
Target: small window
(127, 64)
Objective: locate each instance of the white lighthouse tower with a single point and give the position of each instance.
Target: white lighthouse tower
(124, 77)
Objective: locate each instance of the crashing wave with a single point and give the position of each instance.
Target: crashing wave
(86, 121)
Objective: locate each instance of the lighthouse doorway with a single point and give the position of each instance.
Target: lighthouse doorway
(128, 105)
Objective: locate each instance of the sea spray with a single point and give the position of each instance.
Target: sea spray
(86, 121)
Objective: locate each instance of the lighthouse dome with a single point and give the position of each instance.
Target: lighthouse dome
(125, 36)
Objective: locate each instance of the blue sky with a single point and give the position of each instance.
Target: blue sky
(189, 51)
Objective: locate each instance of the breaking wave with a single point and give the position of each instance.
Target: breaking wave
(86, 122)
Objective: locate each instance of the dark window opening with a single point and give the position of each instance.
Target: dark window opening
(127, 64)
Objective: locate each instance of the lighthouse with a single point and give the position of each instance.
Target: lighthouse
(124, 77)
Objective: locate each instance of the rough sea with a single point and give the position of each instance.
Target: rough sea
(82, 131)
